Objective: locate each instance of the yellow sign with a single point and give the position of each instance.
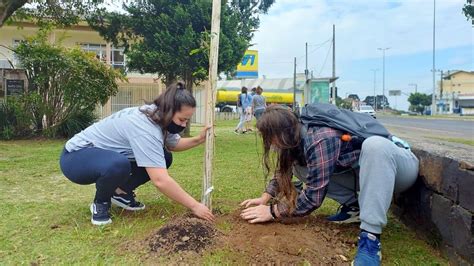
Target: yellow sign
(248, 66)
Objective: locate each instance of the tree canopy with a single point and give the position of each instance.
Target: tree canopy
(170, 38)
(419, 101)
(58, 13)
(468, 10)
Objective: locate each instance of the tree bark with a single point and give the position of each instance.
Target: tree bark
(8, 7)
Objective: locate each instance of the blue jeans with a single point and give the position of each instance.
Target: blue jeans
(259, 113)
(109, 170)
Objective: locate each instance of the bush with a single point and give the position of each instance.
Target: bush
(74, 124)
(15, 119)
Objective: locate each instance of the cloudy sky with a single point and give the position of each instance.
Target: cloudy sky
(362, 26)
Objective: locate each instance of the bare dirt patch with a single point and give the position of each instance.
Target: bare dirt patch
(312, 239)
(189, 234)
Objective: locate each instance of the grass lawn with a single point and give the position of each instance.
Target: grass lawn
(45, 218)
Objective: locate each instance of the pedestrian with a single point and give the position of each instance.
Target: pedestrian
(245, 110)
(322, 160)
(258, 103)
(127, 149)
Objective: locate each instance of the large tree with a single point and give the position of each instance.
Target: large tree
(170, 38)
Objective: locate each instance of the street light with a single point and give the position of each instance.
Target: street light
(414, 84)
(375, 95)
(383, 76)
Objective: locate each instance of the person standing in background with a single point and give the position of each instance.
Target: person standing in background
(258, 103)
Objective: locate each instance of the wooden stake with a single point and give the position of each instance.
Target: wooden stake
(211, 93)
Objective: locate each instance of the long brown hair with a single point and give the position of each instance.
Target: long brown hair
(168, 103)
(279, 127)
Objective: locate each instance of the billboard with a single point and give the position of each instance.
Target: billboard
(318, 92)
(394, 93)
(248, 66)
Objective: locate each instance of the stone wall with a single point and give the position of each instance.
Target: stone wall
(441, 204)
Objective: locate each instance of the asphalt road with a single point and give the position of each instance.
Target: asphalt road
(442, 128)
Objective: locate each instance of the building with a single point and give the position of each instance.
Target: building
(455, 93)
(132, 93)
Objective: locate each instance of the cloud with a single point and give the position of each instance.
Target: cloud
(361, 27)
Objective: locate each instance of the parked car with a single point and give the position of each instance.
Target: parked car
(366, 109)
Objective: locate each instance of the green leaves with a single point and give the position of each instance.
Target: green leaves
(63, 81)
(418, 101)
(171, 38)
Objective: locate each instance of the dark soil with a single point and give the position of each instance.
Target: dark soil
(189, 234)
(312, 240)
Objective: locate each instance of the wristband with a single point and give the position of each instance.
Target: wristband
(272, 212)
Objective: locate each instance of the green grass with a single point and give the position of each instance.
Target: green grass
(458, 140)
(45, 218)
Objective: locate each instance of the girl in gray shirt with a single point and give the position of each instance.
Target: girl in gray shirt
(131, 147)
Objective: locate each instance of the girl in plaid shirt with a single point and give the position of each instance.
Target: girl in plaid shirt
(321, 159)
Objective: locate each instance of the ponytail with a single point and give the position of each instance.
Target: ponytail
(168, 103)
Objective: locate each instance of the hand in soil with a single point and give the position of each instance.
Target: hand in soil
(252, 202)
(201, 211)
(257, 214)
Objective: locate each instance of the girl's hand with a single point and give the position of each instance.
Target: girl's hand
(252, 202)
(201, 211)
(257, 214)
(202, 135)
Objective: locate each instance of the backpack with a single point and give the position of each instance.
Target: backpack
(359, 125)
(239, 102)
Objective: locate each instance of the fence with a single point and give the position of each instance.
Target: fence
(135, 94)
(130, 95)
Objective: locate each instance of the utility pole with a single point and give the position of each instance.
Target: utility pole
(211, 94)
(294, 86)
(306, 67)
(375, 95)
(433, 96)
(334, 64)
(383, 76)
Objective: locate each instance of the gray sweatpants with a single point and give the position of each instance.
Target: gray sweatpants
(384, 169)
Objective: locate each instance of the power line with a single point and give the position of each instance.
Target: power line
(325, 61)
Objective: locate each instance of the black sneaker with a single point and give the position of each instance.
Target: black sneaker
(100, 213)
(127, 202)
(346, 215)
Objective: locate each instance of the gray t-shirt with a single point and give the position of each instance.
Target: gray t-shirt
(258, 102)
(128, 132)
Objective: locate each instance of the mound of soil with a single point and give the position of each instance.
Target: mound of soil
(310, 239)
(307, 240)
(188, 234)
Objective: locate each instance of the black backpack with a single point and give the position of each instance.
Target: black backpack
(239, 102)
(356, 124)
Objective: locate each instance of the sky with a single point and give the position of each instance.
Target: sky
(362, 26)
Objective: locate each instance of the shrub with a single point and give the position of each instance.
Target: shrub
(75, 123)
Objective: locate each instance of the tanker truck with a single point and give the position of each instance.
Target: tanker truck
(227, 99)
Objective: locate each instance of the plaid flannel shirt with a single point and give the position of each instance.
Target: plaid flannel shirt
(324, 151)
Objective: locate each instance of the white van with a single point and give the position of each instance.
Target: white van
(366, 109)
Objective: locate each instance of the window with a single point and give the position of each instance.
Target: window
(16, 61)
(98, 49)
(117, 58)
